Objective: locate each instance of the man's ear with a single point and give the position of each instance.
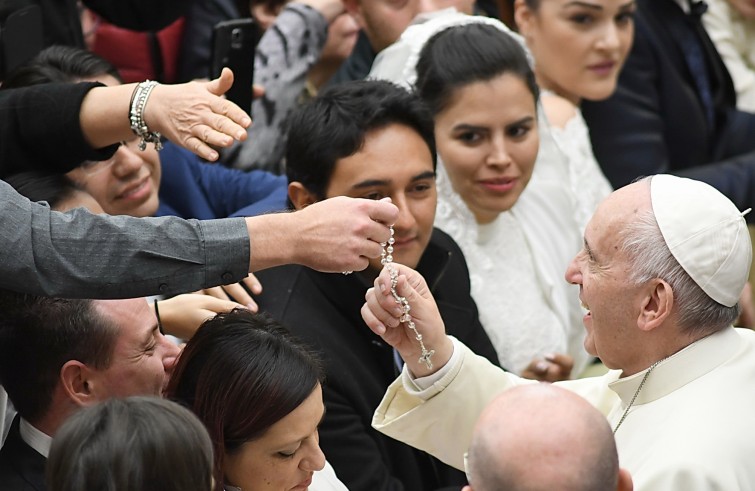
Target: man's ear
(656, 305)
(523, 16)
(625, 481)
(300, 196)
(78, 383)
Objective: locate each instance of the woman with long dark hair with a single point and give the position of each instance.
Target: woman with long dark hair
(257, 391)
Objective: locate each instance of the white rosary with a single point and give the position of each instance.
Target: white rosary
(386, 259)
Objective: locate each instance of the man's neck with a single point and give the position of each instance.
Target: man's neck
(658, 351)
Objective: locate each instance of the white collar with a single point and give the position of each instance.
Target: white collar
(33, 437)
(681, 368)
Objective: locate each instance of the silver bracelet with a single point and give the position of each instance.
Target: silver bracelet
(136, 115)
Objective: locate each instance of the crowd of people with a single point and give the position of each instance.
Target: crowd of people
(451, 245)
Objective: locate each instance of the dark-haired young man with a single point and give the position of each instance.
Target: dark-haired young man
(58, 355)
(369, 140)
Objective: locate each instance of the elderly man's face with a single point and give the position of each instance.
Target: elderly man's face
(384, 20)
(601, 270)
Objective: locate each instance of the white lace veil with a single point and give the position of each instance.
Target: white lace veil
(398, 63)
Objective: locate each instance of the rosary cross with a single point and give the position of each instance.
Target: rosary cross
(386, 259)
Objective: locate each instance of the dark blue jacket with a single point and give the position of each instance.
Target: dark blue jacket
(655, 121)
(191, 188)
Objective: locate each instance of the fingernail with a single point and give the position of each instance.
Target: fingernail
(541, 367)
(246, 121)
(380, 329)
(550, 356)
(212, 156)
(382, 288)
(252, 307)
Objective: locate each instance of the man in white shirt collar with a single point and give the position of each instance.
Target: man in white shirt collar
(59, 355)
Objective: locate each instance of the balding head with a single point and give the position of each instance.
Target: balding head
(541, 437)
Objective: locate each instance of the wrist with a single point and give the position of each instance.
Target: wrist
(270, 241)
(136, 115)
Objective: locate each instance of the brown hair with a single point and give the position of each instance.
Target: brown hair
(240, 374)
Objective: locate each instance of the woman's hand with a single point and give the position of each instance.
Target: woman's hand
(237, 292)
(182, 315)
(196, 116)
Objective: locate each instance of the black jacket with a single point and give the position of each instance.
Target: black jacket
(21, 467)
(655, 121)
(40, 130)
(324, 310)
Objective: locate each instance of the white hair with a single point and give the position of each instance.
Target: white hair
(650, 258)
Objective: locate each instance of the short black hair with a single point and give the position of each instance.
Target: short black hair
(335, 124)
(59, 64)
(465, 54)
(42, 186)
(38, 335)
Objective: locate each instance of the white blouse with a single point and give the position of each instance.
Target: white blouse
(588, 184)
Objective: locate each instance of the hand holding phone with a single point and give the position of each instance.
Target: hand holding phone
(233, 46)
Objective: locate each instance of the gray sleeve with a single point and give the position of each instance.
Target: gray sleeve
(78, 254)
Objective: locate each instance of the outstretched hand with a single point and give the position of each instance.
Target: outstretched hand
(382, 314)
(341, 234)
(195, 116)
(240, 292)
(182, 315)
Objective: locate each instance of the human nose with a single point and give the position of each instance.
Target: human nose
(126, 161)
(498, 155)
(315, 459)
(610, 38)
(573, 273)
(170, 357)
(406, 220)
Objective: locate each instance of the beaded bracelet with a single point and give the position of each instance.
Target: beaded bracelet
(136, 115)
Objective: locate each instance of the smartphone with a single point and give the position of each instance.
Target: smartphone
(233, 45)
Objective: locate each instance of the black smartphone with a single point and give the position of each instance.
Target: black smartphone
(233, 45)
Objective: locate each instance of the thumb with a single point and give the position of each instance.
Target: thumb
(406, 290)
(220, 85)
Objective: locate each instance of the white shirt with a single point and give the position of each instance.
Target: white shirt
(36, 439)
(322, 480)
